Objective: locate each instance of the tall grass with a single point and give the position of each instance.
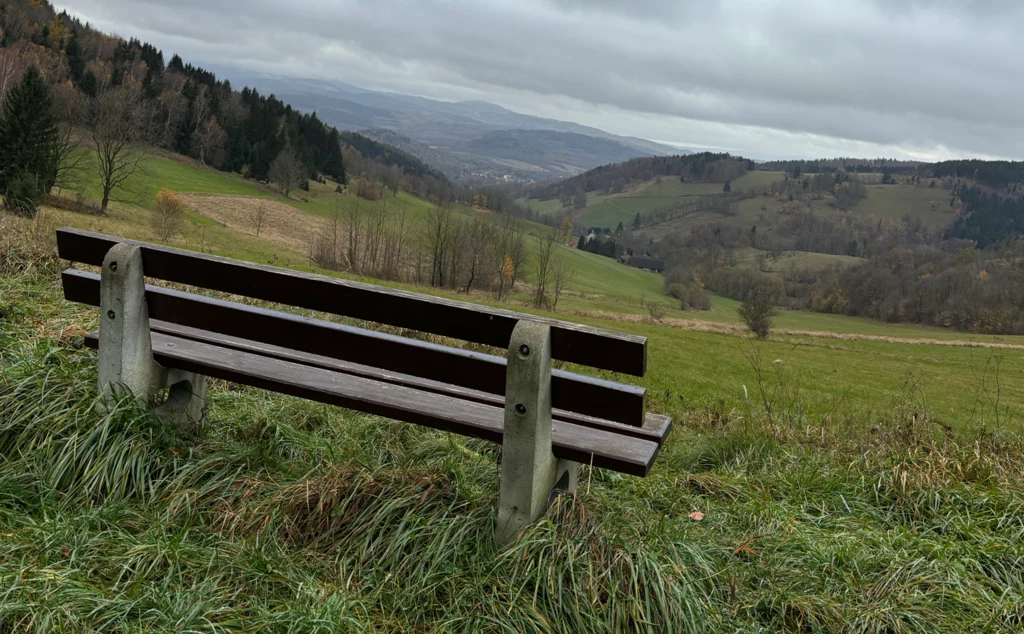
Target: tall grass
(281, 515)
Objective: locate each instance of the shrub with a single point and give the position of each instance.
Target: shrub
(695, 298)
(23, 196)
(367, 189)
(758, 311)
(691, 295)
(656, 311)
(169, 215)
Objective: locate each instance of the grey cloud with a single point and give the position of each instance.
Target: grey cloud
(916, 75)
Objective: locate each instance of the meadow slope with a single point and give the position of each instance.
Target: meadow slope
(843, 485)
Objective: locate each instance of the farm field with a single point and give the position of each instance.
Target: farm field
(599, 284)
(607, 210)
(893, 202)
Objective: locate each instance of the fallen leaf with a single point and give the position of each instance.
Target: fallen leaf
(696, 516)
(745, 549)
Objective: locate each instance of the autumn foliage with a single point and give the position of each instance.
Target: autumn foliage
(169, 215)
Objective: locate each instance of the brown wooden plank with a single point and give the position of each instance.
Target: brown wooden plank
(600, 448)
(655, 428)
(575, 343)
(585, 395)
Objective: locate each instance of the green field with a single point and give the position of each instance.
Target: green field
(172, 171)
(894, 202)
(596, 275)
(607, 210)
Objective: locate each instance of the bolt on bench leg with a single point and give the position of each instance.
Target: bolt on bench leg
(126, 362)
(531, 476)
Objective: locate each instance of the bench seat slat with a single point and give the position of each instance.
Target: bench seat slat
(601, 448)
(605, 400)
(570, 342)
(655, 428)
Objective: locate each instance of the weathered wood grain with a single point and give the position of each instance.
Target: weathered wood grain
(597, 447)
(575, 343)
(605, 400)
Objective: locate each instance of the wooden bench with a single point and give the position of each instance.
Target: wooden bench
(547, 421)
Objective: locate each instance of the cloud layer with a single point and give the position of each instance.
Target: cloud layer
(929, 79)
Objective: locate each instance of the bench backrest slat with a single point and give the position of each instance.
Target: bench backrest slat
(570, 342)
(572, 392)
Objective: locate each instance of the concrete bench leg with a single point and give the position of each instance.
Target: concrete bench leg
(126, 364)
(531, 476)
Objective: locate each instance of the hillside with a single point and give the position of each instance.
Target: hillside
(470, 139)
(127, 92)
(804, 456)
(919, 243)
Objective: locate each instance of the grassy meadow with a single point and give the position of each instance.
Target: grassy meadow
(847, 489)
(853, 476)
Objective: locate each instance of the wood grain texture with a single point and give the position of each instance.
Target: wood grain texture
(654, 429)
(604, 400)
(574, 343)
(600, 448)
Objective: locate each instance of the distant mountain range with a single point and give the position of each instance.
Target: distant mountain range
(463, 139)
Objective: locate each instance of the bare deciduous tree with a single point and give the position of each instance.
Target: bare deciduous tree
(439, 239)
(374, 242)
(258, 216)
(480, 241)
(121, 128)
(562, 274)
(378, 239)
(208, 141)
(287, 171)
(73, 113)
(545, 249)
(511, 244)
(10, 72)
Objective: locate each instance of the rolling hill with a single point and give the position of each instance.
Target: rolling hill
(463, 139)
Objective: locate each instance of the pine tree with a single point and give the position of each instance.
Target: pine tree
(28, 133)
(76, 62)
(636, 221)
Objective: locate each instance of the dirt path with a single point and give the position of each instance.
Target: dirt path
(738, 329)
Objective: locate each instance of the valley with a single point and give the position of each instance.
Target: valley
(469, 140)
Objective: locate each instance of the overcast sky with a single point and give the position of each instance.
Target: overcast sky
(929, 79)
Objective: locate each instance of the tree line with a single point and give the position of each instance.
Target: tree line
(840, 164)
(447, 249)
(966, 289)
(617, 177)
